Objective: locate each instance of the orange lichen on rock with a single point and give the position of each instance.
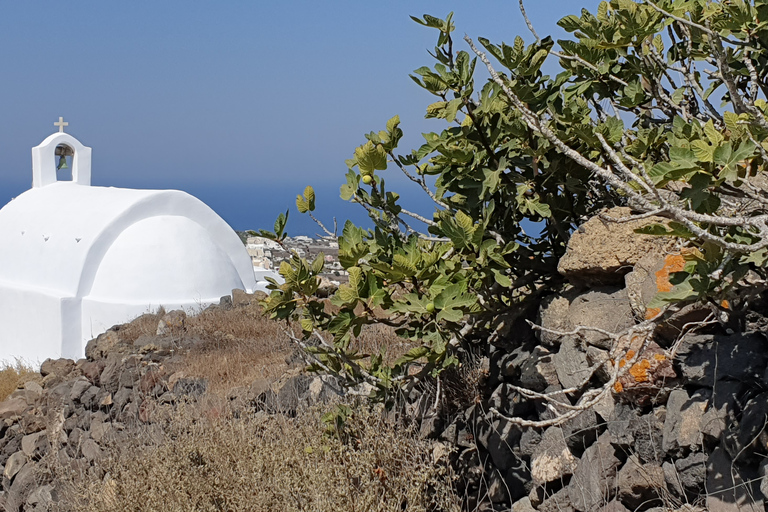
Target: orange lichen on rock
(672, 263)
(639, 370)
(643, 379)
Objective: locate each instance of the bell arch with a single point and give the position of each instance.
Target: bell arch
(44, 160)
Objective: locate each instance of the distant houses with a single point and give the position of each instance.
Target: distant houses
(267, 254)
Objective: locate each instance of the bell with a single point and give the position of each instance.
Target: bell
(62, 163)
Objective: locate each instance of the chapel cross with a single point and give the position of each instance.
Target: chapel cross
(61, 124)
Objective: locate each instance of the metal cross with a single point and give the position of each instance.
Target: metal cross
(61, 124)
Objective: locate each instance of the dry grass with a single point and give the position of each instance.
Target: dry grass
(268, 464)
(12, 376)
(237, 347)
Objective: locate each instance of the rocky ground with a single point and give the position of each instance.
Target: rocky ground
(682, 429)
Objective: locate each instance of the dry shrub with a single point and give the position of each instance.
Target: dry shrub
(12, 376)
(144, 325)
(271, 463)
(236, 347)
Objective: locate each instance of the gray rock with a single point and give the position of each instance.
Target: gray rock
(110, 376)
(692, 471)
(751, 429)
(594, 480)
(502, 437)
(529, 440)
(639, 483)
(190, 386)
(606, 308)
(23, 484)
(602, 252)
(682, 428)
(571, 364)
(79, 387)
(553, 315)
(739, 357)
(91, 450)
(522, 505)
(88, 398)
(173, 323)
(34, 387)
(34, 444)
(558, 502)
(581, 430)
(614, 506)
(497, 488)
(42, 498)
(537, 371)
(293, 392)
(14, 464)
(60, 367)
(552, 459)
(12, 407)
(726, 489)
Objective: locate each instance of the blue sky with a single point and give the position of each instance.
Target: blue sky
(241, 103)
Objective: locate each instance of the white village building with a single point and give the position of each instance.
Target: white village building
(76, 259)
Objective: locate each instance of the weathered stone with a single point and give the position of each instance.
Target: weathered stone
(522, 505)
(553, 315)
(721, 409)
(581, 430)
(31, 444)
(89, 396)
(14, 464)
(110, 376)
(614, 506)
(12, 407)
(605, 308)
(682, 428)
(190, 386)
(91, 450)
(552, 460)
(601, 251)
(92, 370)
(594, 480)
(78, 388)
(502, 437)
(24, 483)
(509, 401)
(751, 430)
(173, 322)
(558, 502)
(739, 357)
(61, 367)
(103, 345)
(537, 370)
(692, 471)
(529, 440)
(42, 498)
(640, 484)
(571, 364)
(33, 387)
(497, 488)
(647, 379)
(726, 489)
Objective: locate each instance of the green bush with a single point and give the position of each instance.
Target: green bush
(656, 105)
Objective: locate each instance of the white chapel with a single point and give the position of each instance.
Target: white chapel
(76, 259)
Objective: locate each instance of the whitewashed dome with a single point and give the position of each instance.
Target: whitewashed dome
(77, 259)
